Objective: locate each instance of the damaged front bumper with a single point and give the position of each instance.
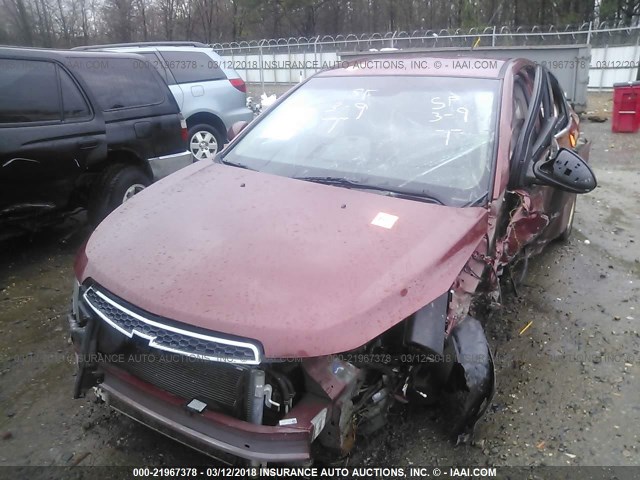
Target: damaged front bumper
(160, 397)
(226, 409)
(211, 432)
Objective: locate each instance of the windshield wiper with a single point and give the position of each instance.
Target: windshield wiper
(343, 182)
(478, 201)
(421, 197)
(238, 165)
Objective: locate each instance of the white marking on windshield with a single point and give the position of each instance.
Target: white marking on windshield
(336, 120)
(448, 134)
(362, 93)
(362, 107)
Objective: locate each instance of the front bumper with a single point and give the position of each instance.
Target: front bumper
(167, 164)
(163, 406)
(211, 432)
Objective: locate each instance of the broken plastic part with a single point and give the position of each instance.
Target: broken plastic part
(426, 327)
(474, 355)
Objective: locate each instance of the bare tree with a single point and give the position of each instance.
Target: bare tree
(22, 20)
(118, 15)
(141, 7)
(70, 22)
(185, 18)
(61, 18)
(168, 14)
(207, 12)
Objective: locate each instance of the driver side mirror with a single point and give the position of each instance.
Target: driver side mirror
(235, 129)
(567, 171)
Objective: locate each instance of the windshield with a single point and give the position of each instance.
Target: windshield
(416, 135)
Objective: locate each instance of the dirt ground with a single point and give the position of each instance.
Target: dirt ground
(568, 386)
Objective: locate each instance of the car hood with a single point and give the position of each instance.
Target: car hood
(297, 266)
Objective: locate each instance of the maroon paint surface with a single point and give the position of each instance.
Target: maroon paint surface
(279, 260)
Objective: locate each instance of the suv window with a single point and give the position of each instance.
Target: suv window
(74, 106)
(28, 91)
(120, 82)
(190, 67)
(157, 64)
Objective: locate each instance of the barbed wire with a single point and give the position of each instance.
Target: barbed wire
(588, 33)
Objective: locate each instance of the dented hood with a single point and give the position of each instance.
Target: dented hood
(297, 266)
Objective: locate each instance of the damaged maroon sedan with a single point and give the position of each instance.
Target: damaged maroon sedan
(329, 262)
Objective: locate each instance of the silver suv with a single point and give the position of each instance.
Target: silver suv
(211, 96)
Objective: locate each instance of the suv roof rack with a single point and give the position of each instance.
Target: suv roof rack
(2, 45)
(144, 44)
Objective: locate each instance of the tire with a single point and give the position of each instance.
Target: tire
(205, 141)
(116, 184)
(566, 234)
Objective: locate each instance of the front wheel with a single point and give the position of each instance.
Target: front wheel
(205, 141)
(116, 185)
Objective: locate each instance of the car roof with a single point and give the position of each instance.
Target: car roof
(152, 48)
(161, 47)
(143, 45)
(60, 55)
(419, 65)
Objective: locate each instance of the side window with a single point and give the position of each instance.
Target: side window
(520, 107)
(540, 121)
(560, 103)
(190, 67)
(544, 115)
(153, 59)
(74, 106)
(28, 91)
(120, 82)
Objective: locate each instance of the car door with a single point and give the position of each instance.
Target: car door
(538, 211)
(561, 204)
(552, 112)
(48, 131)
(141, 114)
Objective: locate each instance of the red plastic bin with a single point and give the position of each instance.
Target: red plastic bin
(626, 107)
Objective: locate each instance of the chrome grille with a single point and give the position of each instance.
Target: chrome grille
(168, 337)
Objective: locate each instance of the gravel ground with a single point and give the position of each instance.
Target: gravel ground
(567, 387)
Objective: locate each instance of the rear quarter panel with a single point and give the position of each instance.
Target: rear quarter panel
(218, 97)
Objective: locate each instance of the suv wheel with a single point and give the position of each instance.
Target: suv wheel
(117, 184)
(204, 141)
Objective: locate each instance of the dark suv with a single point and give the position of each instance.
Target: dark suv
(81, 130)
(211, 94)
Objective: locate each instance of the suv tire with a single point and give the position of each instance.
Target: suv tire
(116, 184)
(205, 141)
